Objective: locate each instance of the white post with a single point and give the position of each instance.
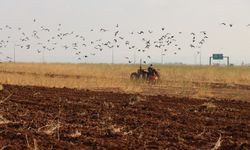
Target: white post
(134, 57)
(15, 53)
(43, 56)
(200, 56)
(112, 55)
(162, 57)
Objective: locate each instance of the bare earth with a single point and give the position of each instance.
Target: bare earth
(61, 118)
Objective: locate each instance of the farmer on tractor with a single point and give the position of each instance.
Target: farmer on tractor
(151, 70)
(150, 74)
(153, 74)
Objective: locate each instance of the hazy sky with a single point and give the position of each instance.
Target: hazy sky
(184, 16)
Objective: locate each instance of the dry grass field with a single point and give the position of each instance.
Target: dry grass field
(180, 81)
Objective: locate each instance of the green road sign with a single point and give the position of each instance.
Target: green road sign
(218, 56)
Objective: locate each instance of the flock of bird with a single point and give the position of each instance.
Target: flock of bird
(166, 42)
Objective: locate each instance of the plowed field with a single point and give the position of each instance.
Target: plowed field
(61, 118)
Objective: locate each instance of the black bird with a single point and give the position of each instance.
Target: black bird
(8, 57)
(103, 30)
(116, 33)
(141, 32)
(223, 24)
(27, 46)
(65, 47)
(204, 32)
(45, 29)
(7, 26)
(127, 42)
(231, 25)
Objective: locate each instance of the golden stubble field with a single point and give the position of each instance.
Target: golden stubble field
(180, 81)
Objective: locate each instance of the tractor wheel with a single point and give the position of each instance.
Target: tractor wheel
(134, 76)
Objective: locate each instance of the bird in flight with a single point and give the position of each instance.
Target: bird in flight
(192, 46)
(141, 32)
(103, 30)
(204, 32)
(193, 34)
(116, 33)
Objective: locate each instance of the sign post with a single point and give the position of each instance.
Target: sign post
(218, 57)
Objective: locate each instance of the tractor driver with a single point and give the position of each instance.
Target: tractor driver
(150, 69)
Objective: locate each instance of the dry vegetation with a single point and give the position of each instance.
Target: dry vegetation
(191, 81)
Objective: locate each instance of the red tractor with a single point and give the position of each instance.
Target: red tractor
(151, 74)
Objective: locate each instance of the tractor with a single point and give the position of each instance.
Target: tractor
(151, 75)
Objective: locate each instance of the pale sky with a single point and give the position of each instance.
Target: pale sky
(80, 16)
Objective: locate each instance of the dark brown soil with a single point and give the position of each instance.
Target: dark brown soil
(54, 118)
